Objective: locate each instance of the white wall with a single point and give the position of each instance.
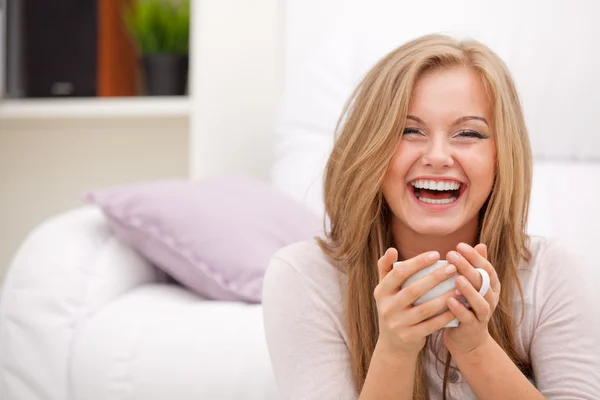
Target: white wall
(235, 85)
(47, 164)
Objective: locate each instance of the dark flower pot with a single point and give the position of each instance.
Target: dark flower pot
(165, 74)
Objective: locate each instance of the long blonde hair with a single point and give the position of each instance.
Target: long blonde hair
(359, 218)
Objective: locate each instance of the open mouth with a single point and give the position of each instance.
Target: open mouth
(437, 191)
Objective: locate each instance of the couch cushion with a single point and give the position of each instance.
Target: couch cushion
(214, 236)
(161, 341)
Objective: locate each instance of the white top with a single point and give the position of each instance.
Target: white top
(303, 303)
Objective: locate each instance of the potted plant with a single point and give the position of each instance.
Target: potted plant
(160, 31)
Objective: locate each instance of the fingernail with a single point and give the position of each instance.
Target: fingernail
(461, 281)
(463, 247)
(457, 292)
(433, 255)
(453, 256)
(450, 269)
(453, 301)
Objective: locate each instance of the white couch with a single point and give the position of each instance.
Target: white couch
(85, 317)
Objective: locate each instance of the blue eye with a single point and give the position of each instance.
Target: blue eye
(472, 134)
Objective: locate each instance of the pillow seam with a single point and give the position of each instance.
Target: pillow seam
(158, 234)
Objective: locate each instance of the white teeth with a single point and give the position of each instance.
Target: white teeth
(437, 201)
(435, 185)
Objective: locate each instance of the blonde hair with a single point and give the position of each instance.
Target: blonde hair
(360, 220)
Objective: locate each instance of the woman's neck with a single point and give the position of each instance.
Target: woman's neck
(410, 243)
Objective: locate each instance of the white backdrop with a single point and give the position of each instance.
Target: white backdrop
(241, 48)
(235, 58)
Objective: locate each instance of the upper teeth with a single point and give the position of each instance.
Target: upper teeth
(435, 185)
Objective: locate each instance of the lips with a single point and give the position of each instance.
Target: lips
(440, 192)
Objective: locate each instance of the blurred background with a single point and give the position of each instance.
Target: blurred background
(93, 93)
(97, 93)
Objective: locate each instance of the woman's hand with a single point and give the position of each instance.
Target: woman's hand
(472, 331)
(402, 326)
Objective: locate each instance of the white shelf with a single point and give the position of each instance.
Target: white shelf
(95, 107)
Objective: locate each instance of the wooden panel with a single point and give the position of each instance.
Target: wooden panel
(118, 67)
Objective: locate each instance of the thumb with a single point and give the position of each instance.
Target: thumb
(385, 263)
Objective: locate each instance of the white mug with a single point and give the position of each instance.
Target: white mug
(444, 286)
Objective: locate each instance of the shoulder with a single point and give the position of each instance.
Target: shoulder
(305, 258)
(303, 269)
(558, 271)
(300, 252)
(302, 286)
(553, 256)
(304, 324)
(561, 331)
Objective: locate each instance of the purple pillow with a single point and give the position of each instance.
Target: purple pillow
(215, 237)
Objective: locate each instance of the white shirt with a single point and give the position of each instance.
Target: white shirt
(304, 316)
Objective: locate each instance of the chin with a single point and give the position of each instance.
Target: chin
(435, 229)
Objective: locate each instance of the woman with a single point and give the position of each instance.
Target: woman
(432, 161)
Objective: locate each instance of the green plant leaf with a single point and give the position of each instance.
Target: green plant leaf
(159, 26)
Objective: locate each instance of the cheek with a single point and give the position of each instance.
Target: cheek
(481, 168)
(396, 173)
(396, 169)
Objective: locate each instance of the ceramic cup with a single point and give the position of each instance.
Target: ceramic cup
(443, 287)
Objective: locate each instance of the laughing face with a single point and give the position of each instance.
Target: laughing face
(443, 169)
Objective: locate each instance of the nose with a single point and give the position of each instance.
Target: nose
(438, 153)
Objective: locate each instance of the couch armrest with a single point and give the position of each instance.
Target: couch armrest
(66, 270)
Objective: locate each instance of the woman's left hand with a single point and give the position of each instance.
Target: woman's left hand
(473, 328)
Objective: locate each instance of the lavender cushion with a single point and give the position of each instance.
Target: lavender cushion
(214, 236)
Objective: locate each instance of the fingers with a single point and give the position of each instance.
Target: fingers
(393, 278)
(480, 307)
(462, 314)
(433, 324)
(481, 249)
(465, 268)
(384, 264)
(409, 294)
(428, 309)
(477, 260)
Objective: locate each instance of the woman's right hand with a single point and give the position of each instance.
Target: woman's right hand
(402, 326)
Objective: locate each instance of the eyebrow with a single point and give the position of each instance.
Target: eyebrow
(457, 122)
